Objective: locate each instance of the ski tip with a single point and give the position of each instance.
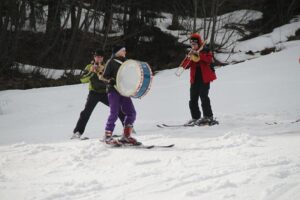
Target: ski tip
(163, 146)
(149, 147)
(168, 146)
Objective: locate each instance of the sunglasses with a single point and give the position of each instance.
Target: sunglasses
(194, 42)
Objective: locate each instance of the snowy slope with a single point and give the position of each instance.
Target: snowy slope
(242, 158)
(276, 39)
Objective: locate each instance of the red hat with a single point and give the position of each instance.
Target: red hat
(197, 38)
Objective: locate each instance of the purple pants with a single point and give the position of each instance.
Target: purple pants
(116, 102)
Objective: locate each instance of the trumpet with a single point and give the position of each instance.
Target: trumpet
(98, 69)
(193, 56)
(181, 68)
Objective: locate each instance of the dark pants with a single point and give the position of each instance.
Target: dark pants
(200, 89)
(92, 100)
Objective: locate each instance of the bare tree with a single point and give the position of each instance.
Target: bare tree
(53, 19)
(195, 2)
(107, 22)
(108, 16)
(32, 17)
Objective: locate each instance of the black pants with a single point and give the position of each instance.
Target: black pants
(92, 100)
(200, 89)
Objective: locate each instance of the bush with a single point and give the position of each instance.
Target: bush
(295, 37)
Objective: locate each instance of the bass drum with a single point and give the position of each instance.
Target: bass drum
(134, 79)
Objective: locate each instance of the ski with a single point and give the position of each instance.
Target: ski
(281, 123)
(186, 125)
(142, 146)
(173, 125)
(81, 138)
(158, 146)
(296, 121)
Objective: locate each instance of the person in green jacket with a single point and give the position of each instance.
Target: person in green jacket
(97, 93)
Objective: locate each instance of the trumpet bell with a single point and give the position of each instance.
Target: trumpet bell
(195, 57)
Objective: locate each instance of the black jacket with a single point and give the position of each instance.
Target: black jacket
(111, 70)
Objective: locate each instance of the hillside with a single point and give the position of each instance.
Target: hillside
(252, 154)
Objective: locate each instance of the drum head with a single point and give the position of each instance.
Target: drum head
(128, 78)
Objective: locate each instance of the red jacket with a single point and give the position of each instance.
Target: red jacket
(208, 75)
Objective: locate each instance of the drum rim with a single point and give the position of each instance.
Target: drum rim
(142, 82)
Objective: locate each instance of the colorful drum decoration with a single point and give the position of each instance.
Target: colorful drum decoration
(134, 79)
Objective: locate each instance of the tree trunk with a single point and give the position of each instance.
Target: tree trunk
(53, 20)
(214, 23)
(73, 16)
(22, 14)
(133, 27)
(1, 15)
(195, 15)
(71, 45)
(175, 20)
(204, 16)
(32, 20)
(125, 20)
(107, 22)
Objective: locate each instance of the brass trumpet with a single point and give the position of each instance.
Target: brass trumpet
(181, 68)
(193, 56)
(98, 69)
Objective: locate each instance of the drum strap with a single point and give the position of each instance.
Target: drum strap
(118, 61)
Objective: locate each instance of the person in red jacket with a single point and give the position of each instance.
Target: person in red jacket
(201, 74)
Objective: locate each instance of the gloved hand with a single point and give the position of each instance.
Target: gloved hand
(112, 82)
(192, 53)
(110, 85)
(206, 48)
(94, 68)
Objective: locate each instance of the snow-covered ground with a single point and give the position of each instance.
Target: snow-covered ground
(253, 154)
(277, 39)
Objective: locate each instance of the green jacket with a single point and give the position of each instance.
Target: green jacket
(94, 83)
